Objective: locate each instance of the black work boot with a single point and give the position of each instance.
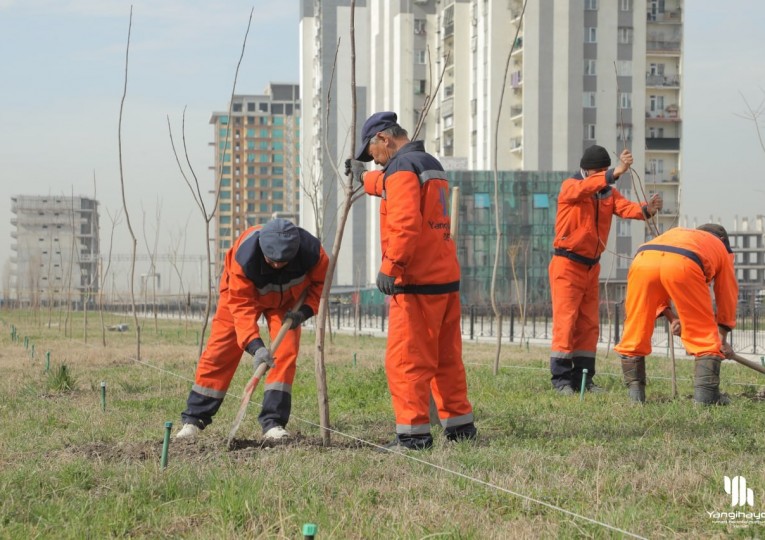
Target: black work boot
(633, 368)
(561, 370)
(580, 364)
(407, 442)
(465, 432)
(706, 382)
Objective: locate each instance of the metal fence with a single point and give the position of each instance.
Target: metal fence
(479, 322)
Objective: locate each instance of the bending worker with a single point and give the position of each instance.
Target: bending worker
(679, 265)
(420, 271)
(265, 272)
(586, 204)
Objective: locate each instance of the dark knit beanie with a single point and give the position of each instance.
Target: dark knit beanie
(595, 157)
(719, 231)
(279, 240)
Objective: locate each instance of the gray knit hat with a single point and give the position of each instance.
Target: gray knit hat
(279, 240)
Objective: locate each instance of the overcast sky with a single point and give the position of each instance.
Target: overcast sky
(62, 65)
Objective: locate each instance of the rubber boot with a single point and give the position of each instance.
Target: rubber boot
(706, 382)
(633, 368)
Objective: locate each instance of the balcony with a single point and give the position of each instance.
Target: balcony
(666, 17)
(516, 111)
(516, 144)
(663, 143)
(669, 114)
(663, 81)
(663, 46)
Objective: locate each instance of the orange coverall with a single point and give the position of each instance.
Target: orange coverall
(424, 351)
(679, 265)
(248, 288)
(582, 224)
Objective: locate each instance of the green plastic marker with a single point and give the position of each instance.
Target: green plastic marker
(354, 359)
(166, 443)
(103, 395)
(309, 531)
(32, 353)
(26, 342)
(584, 384)
(47, 361)
(762, 360)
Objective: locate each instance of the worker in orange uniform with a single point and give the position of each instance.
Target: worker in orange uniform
(266, 271)
(586, 204)
(678, 266)
(421, 273)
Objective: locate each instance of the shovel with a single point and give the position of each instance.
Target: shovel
(748, 363)
(260, 372)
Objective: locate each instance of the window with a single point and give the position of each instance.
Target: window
(250, 120)
(225, 219)
(419, 26)
(223, 133)
(277, 134)
(655, 166)
(227, 169)
(589, 132)
(250, 169)
(225, 207)
(237, 107)
(225, 194)
(591, 34)
(591, 5)
(624, 134)
(277, 170)
(250, 108)
(589, 66)
(589, 100)
(420, 57)
(624, 68)
(625, 35)
(656, 69)
(225, 181)
(625, 100)
(420, 86)
(623, 261)
(264, 170)
(654, 133)
(626, 5)
(278, 195)
(655, 103)
(623, 227)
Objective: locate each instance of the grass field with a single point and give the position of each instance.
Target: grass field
(68, 469)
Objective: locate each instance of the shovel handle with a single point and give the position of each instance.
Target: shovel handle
(748, 363)
(260, 371)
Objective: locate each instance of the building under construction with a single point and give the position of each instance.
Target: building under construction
(56, 248)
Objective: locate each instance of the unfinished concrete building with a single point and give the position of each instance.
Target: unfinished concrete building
(56, 248)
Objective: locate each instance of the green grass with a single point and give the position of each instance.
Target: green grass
(70, 470)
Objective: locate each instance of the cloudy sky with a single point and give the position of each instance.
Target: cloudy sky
(62, 65)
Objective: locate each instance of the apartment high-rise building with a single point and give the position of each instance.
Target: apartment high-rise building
(257, 160)
(581, 73)
(56, 245)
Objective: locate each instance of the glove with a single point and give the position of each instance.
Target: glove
(262, 356)
(297, 318)
(355, 169)
(386, 283)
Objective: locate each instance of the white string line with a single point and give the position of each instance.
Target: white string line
(415, 459)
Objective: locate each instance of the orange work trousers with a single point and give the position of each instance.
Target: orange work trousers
(653, 278)
(424, 355)
(575, 302)
(220, 358)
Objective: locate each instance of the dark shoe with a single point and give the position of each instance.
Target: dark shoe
(636, 392)
(594, 388)
(466, 432)
(406, 442)
(564, 390)
(633, 368)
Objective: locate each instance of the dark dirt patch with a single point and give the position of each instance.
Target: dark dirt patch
(200, 450)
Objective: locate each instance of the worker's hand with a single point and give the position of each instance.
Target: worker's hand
(625, 162)
(296, 318)
(262, 356)
(655, 204)
(386, 283)
(355, 169)
(727, 350)
(674, 327)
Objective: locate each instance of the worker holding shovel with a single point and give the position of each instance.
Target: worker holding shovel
(266, 271)
(678, 266)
